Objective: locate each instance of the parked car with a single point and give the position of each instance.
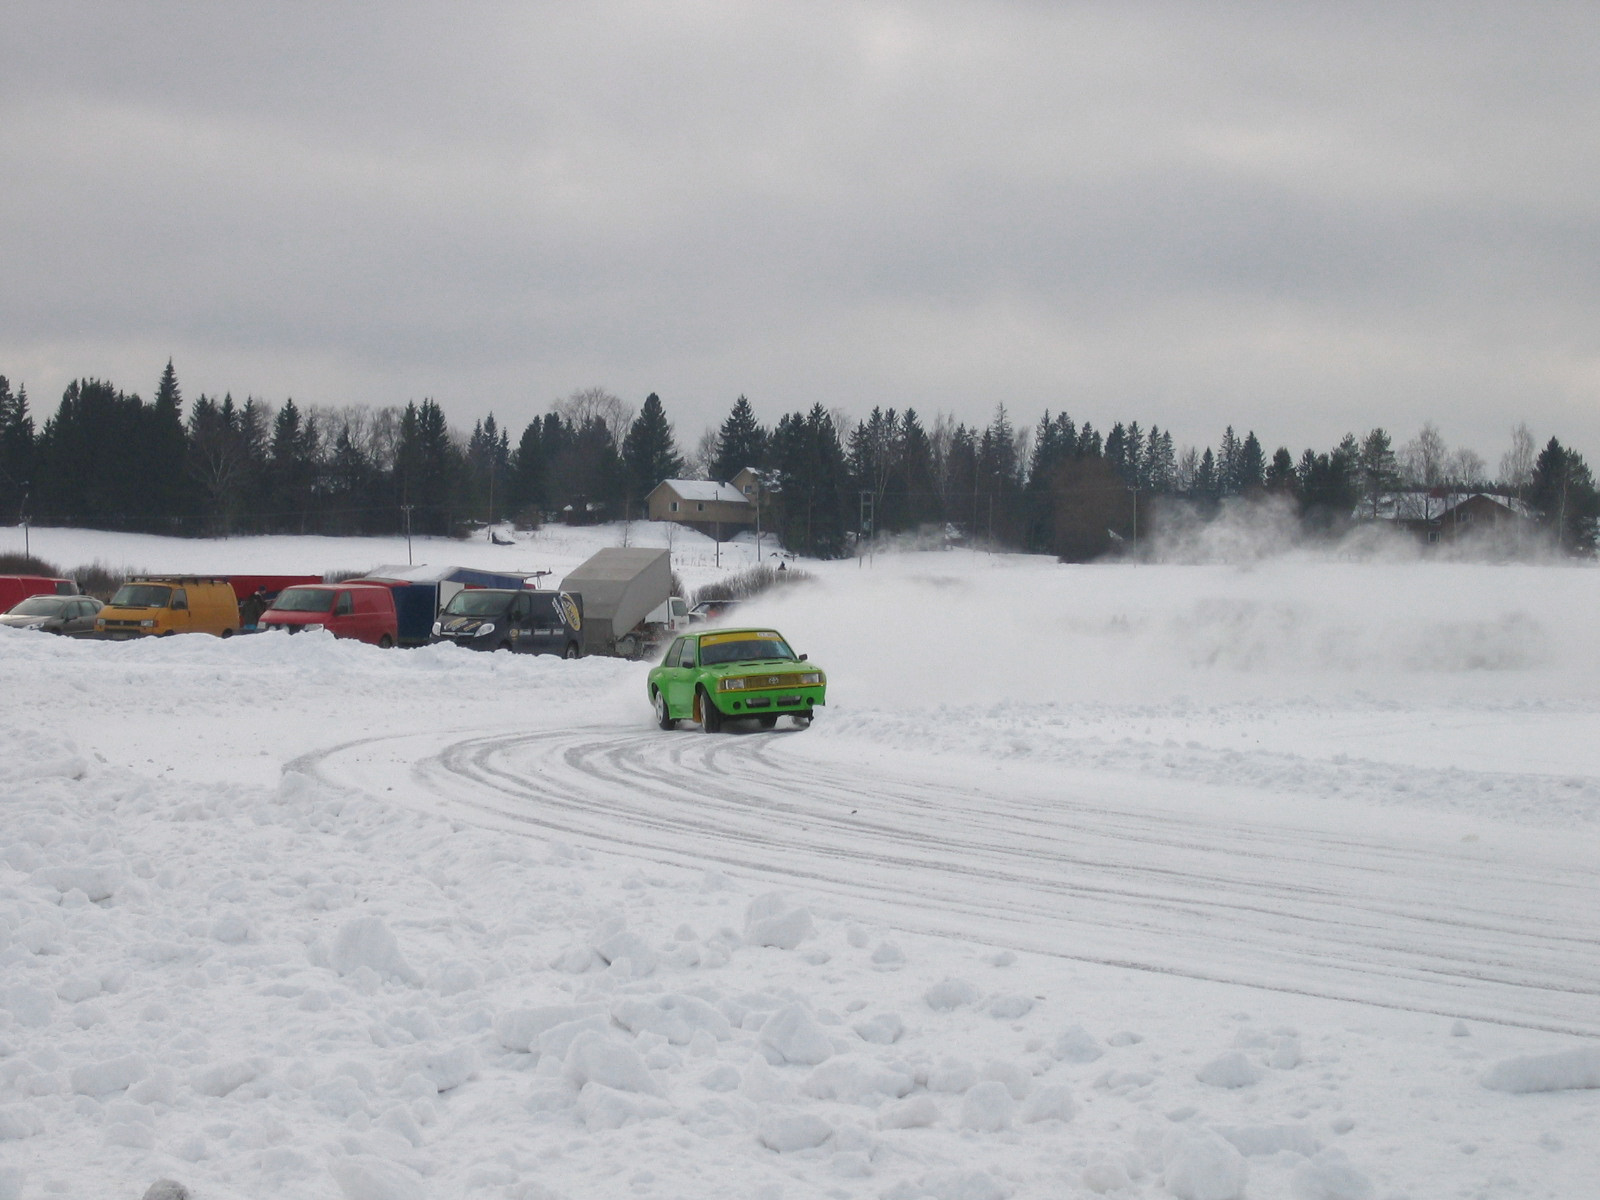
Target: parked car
(54, 614)
(712, 610)
(362, 611)
(518, 619)
(161, 605)
(727, 674)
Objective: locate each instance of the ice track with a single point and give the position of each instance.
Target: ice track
(1058, 871)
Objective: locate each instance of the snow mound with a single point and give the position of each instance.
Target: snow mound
(1199, 1165)
(1563, 1071)
(368, 942)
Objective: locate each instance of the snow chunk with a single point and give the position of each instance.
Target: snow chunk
(1050, 1103)
(601, 1107)
(1077, 1045)
(367, 1177)
(952, 1075)
(448, 1069)
(222, 1078)
(787, 1132)
(676, 1018)
(97, 883)
(1257, 1140)
(888, 957)
(367, 942)
(554, 1043)
(18, 1122)
(1330, 1177)
(29, 1005)
(915, 1113)
(1017, 1078)
(792, 1036)
(627, 947)
(884, 1029)
(987, 1107)
(950, 994)
(1559, 1072)
(594, 1058)
(769, 921)
(114, 1075)
(856, 1081)
(951, 1185)
(520, 1028)
(1230, 1070)
(1009, 1008)
(1202, 1166)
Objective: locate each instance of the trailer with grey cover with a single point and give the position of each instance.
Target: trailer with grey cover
(628, 605)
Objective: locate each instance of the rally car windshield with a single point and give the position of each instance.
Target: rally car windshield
(750, 649)
(301, 599)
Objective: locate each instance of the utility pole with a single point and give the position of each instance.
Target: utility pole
(406, 508)
(864, 525)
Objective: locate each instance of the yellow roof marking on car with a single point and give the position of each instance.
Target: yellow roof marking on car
(743, 635)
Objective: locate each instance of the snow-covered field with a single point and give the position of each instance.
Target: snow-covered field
(1136, 881)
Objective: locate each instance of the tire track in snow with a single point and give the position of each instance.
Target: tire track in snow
(1268, 906)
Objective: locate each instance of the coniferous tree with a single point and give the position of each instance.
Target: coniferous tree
(1281, 478)
(741, 443)
(1563, 492)
(1251, 469)
(530, 474)
(916, 476)
(1380, 473)
(165, 453)
(16, 453)
(649, 452)
(874, 458)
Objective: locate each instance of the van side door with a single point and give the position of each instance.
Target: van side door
(178, 610)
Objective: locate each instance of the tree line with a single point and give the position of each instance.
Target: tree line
(110, 459)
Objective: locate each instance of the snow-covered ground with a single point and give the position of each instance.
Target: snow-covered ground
(1136, 881)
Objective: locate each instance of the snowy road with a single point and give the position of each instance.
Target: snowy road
(1121, 872)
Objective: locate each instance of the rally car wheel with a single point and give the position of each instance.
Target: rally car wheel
(768, 721)
(802, 720)
(710, 717)
(664, 718)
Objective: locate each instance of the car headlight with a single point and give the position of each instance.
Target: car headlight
(485, 629)
(99, 623)
(811, 678)
(147, 623)
(315, 628)
(437, 626)
(732, 685)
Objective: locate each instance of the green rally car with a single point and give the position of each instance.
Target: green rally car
(728, 674)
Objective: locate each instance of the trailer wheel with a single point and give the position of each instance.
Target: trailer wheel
(710, 715)
(385, 642)
(664, 717)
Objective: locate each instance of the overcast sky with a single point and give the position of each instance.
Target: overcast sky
(1300, 219)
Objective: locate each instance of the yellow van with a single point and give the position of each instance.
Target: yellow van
(167, 604)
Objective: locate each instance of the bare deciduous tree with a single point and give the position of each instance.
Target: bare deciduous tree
(1422, 459)
(586, 404)
(1516, 464)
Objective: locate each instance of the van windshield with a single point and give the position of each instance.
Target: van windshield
(141, 595)
(477, 603)
(304, 599)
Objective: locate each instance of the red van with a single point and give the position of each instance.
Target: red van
(16, 588)
(363, 611)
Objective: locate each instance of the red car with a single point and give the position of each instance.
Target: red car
(363, 611)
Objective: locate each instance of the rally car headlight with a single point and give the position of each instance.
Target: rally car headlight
(732, 685)
(811, 679)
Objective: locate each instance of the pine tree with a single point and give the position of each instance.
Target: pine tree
(1563, 492)
(1380, 474)
(649, 452)
(1251, 469)
(16, 453)
(740, 443)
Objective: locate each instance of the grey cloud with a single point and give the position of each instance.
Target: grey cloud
(1300, 219)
